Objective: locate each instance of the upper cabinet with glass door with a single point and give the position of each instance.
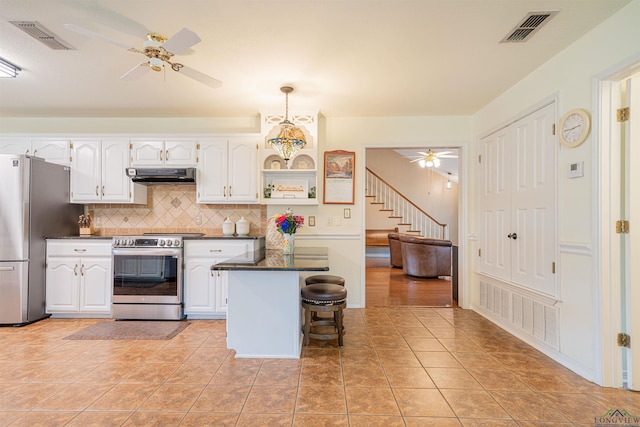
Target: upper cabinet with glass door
(295, 181)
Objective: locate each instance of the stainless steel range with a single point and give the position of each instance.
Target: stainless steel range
(147, 277)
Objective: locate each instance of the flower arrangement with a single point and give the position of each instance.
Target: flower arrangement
(288, 223)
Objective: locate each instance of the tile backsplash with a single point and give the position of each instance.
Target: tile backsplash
(173, 209)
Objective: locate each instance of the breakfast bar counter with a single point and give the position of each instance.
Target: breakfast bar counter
(264, 314)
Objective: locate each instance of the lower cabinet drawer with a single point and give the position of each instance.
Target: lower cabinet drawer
(219, 249)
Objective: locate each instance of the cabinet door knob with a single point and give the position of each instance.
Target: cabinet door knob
(513, 236)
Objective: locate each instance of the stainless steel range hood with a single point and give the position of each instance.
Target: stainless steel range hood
(162, 175)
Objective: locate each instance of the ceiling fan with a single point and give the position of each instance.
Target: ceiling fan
(432, 158)
(159, 50)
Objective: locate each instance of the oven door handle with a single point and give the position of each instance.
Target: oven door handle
(147, 252)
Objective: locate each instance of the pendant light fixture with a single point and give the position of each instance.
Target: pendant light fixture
(290, 139)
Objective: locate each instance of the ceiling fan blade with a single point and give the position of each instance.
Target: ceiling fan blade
(443, 153)
(181, 41)
(136, 72)
(201, 77)
(449, 156)
(93, 34)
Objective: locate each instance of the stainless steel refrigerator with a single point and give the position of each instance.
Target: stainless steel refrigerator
(34, 204)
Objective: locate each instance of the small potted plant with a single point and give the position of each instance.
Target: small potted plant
(267, 191)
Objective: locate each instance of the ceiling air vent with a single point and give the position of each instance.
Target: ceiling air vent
(42, 34)
(528, 26)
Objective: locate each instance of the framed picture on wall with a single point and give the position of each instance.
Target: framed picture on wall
(339, 183)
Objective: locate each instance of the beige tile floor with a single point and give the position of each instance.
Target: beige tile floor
(398, 367)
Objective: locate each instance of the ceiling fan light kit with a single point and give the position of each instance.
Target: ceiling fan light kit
(290, 139)
(429, 159)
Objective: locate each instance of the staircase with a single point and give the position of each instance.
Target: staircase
(411, 219)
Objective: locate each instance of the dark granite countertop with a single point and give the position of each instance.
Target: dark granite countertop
(220, 237)
(303, 259)
(81, 236)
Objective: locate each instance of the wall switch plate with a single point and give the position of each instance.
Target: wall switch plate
(576, 169)
(347, 213)
(312, 221)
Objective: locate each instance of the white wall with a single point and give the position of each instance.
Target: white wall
(569, 76)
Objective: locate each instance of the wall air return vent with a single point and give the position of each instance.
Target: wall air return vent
(528, 26)
(42, 34)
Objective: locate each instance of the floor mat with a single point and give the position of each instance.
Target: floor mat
(130, 330)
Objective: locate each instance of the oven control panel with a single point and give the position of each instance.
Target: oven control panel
(147, 242)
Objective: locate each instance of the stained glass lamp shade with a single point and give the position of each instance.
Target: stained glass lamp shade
(290, 139)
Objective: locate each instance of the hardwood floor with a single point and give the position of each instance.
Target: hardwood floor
(387, 286)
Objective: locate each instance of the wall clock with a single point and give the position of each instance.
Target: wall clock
(575, 126)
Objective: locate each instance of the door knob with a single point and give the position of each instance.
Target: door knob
(513, 236)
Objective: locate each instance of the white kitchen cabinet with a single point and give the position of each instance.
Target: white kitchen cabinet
(53, 150)
(205, 290)
(15, 145)
(98, 173)
(164, 153)
(228, 171)
(78, 278)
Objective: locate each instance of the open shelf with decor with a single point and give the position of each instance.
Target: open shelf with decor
(293, 181)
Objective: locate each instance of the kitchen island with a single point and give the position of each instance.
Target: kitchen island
(264, 314)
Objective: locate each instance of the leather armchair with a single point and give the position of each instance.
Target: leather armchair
(423, 257)
(395, 250)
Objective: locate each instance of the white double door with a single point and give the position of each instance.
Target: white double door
(517, 198)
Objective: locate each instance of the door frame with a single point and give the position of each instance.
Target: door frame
(464, 239)
(607, 187)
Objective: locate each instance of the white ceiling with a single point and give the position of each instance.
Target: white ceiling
(344, 57)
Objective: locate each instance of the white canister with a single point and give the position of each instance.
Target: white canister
(242, 227)
(228, 227)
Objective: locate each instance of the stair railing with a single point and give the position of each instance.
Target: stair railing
(391, 199)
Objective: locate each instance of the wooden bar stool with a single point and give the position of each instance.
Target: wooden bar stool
(319, 298)
(323, 278)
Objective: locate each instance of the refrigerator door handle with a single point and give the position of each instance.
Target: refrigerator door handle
(7, 268)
